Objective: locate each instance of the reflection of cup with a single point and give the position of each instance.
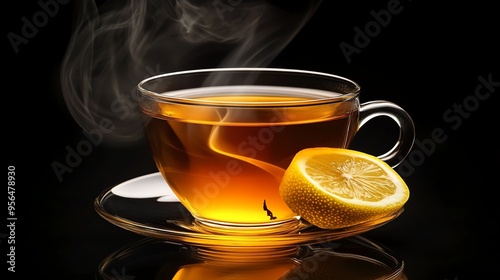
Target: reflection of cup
(348, 258)
(222, 138)
(352, 258)
(320, 266)
(211, 270)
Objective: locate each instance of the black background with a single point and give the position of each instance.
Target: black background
(427, 60)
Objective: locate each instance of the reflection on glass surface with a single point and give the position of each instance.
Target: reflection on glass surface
(350, 258)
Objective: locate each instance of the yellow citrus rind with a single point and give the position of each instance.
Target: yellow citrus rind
(336, 188)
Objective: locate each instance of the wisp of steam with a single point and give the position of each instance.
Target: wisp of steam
(118, 43)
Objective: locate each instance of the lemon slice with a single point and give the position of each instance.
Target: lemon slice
(335, 188)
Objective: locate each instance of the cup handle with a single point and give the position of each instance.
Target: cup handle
(401, 149)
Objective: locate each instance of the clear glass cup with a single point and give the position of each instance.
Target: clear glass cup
(222, 138)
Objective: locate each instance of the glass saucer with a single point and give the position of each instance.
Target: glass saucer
(147, 206)
(349, 258)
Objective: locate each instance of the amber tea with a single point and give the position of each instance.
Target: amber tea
(225, 160)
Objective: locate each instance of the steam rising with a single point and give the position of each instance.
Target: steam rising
(116, 45)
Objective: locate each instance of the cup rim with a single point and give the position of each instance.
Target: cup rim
(338, 97)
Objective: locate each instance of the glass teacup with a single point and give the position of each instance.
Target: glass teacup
(222, 138)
